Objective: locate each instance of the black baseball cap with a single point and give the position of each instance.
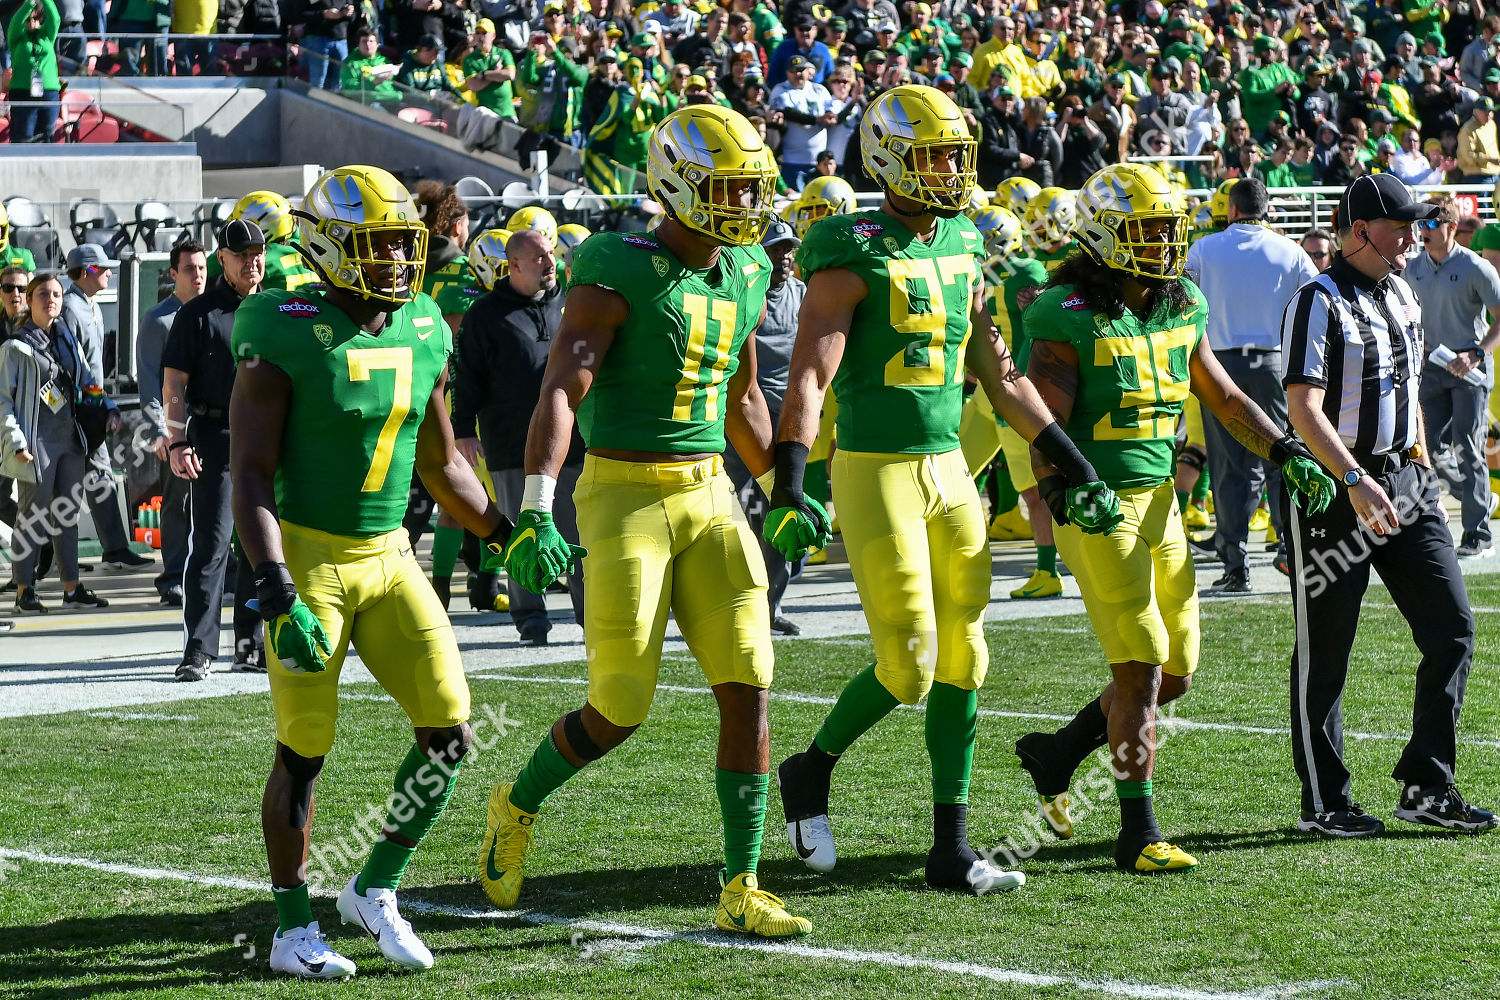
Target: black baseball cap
(1381, 196)
(239, 235)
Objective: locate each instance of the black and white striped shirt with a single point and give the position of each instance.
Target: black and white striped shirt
(1361, 340)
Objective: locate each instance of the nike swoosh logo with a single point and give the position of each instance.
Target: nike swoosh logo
(1160, 864)
(791, 518)
(517, 540)
(489, 863)
(738, 921)
(316, 968)
(1190, 315)
(424, 336)
(802, 852)
(368, 929)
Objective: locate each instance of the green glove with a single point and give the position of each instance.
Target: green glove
(538, 554)
(1309, 484)
(297, 639)
(1094, 508)
(796, 525)
(293, 633)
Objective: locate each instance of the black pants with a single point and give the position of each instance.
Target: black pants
(176, 523)
(1238, 474)
(209, 547)
(1331, 556)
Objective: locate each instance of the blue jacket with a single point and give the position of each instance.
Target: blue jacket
(819, 56)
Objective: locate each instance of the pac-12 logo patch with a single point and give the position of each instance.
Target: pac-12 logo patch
(868, 229)
(1075, 302)
(324, 333)
(892, 245)
(660, 263)
(299, 307)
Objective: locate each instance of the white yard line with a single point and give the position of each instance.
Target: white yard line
(1168, 722)
(642, 936)
(142, 716)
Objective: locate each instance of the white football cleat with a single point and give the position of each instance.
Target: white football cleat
(376, 912)
(985, 877)
(812, 839)
(304, 952)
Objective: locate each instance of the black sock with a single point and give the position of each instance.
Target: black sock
(1085, 732)
(821, 760)
(1137, 826)
(950, 825)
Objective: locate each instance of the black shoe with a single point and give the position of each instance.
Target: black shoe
(249, 658)
(123, 561)
(82, 597)
(1443, 807)
(1036, 753)
(1233, 583)
(785, 626)
(443, 587)
(1203, 551)
(7, 586)
(484, 590)
(533, 637)
(30, 604)
(195, 667)
(1281, 562)
(1473, 545)
(804, 788)
(172, 596)
(1351, 822)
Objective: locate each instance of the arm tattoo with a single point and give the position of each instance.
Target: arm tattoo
(1252, 428)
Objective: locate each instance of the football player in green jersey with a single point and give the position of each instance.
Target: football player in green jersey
(656, 358)
(1117, 346)
(12, 256)
(338, 396)
(1048, 222)
(893, 296)
(285, 267)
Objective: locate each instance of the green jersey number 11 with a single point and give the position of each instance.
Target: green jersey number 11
(922, 362)
(699, 309)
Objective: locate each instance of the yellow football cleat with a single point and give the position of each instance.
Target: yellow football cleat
(747, 909)
(1054, 809)
(1010, 526)
(833, 525)
(1195, 518)
(1208, 501)
(1041, 584)
(1271, 537)
(1260, 520)
(817, 557)
(1163, 857)
(502, 853)
(502, 601)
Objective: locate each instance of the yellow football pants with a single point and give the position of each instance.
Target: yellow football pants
(371, 592)
(978, 432)
(914, 532)
(668, 537)
(1138, 582)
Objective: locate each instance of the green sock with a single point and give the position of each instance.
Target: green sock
(544, 773)
(742, 802)
(1133, 789)
(292, 907)
(1182, 499)
(1202, 486)
(1006, 490)
(445, 545)
(864, 702)
(422, 789)
(952, 727)
(815, 482)
(1046, 558)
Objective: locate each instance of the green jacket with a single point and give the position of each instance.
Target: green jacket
(33, 54)
(1258, 97)
(427, 79)
(358, 79)
(556, 88)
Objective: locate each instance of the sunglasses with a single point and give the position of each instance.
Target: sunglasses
(1431, 224)
(15, 289)
(1317, 254)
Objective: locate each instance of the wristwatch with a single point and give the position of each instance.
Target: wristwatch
(1478, 353)
(1354, 475)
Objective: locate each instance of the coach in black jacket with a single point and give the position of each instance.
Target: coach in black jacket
(498, 361)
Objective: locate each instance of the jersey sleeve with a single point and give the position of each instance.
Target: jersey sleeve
(598, 261)
(260, 331)
(831, 242)
(1197, 312)
(1051, 315)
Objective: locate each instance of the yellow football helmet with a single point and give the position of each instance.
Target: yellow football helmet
(1218, 205)
(978, 200)
(1015, 193)
(344, 214)
(1001, 230)
(570, 235)
(823, 196)
(1203, 220)
(1050, 216)
(268, 210)
(898, 135)
(487, 260)
(698, 160)
(4, 226)
(1132, 220)
(534, 217)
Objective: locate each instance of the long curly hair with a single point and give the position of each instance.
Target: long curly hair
(1103, 288)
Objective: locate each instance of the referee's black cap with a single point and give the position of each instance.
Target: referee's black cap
(1381, 196)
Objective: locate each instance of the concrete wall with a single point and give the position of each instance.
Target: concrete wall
(126, 173)
(235, 122)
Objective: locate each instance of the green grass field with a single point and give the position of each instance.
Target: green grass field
(619, 899)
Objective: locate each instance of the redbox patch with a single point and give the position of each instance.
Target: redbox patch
(299, 307)
(868, 229)
(638, 241)
(1075, 302)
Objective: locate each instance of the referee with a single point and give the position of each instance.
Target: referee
(1352, 347)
